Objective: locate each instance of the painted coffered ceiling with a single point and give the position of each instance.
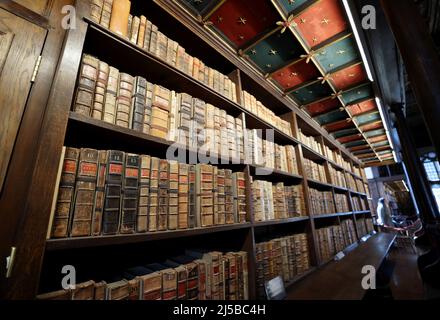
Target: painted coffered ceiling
(308, 49)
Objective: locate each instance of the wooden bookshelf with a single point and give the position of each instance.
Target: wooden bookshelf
(75, 130)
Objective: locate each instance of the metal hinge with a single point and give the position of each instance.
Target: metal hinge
(37, 67)
(10, 262)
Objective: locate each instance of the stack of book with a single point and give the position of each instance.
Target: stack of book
(145, 35)
(342, 203)
(322, 202)
(315, 171)
(312, 143)
(348, 231)
(276, 201)
(251, 104)
(196, 275)
(331, 241)
(267, 154)
(334, 155)
(361, 227)
(287, 257)
(112, 192)
(337, 177)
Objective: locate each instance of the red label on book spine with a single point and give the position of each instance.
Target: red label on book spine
(88, 169)
(145, 173)
(115, 168)
(131, 173)
(69, 166)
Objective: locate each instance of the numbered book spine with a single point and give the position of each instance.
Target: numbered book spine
(183, 196)
(85, 92)
(173, 195)
(130, 194)
(169, 284)
(239, 191)
(144, 194)
(60, 227)
(84, 193)
(113, 192)
(98, 208)
(110, 96)
(123, 104)
(101, 85)
(205, 200)
(152, 286)
(138, 101)
(192, 196)
(154, 195)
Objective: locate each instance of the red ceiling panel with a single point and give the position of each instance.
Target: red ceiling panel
(323, 106)
(378, 139)
(348, 77)
(321, 21)
(240, 21)
(340, 125)
(373, 126)
(362, 107)
(350, 138)
(358, 148)
(296, 74)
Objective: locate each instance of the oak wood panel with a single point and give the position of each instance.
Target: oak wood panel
(20, 45)
(343, 278)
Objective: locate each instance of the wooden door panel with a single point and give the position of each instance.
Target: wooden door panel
(21, 43)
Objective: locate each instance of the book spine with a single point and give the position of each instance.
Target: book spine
(229, 198)
(110, 96)
(96, 10)
(130, 26)
(221, 197)
(192, 196)
(153, 40)
(183, 196)
(98, 207)
(201, 266)
(130, 194)
(215, 194)
(163, 195)
(60, 227)
(113, 192)
(192, 291)
(106, 13)
(154, 195)
(123, 104)
(101, 85)
(240, 196)
(142, 30)
(169, 284)
(147, 38)
(144, 194)
(119, 17)
(152, 286)
(84, 193)
(85, 92)
(182, 279)
(148, 108)
(205, 200)
(133, 289)
(135, 30)
(173, 195)
(138, 101)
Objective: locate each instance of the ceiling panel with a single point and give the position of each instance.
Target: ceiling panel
(288, 6)
(372, 126)
(331, 117)
(355, 137)
(323, 106)
(348, 77)
(320, 22)
(375, 133)
(201, 6)
(275, 51)
(340, 125)
(367, 118)
(241, 21)
(344, 133)
(338, 54)
(355, 144)
(296, 74)
(311, 93)
(362, 107)
(359, 93)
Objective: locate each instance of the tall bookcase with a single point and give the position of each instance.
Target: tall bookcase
(96, 257)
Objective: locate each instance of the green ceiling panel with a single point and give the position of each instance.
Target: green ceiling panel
(345, 133)
(331, 117)
(367, 118)
(375, 133)
(355, 144)
(337, 54)
(357, 94)
(380, 144)
(312, 93)
(275, 51)
(291, 5)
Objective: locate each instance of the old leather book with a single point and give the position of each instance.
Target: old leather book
(84, 193)
(205, 200)
(162, 44)
(85, 91)
(279, 201)
(239, 190)
(118, 290)
(130, 194)
(56, 295)
(192, 269)
(197, 138)
(144, 193)
(219, 214)
(183, 188)
(151, 284)
(192, 223)
(130, 24)
(138, 104)
(242, 275)
(173, 195)
(229, 198)
(84, 291)
(153, 39)
(98, 207)
(119, 18)
(231, 278)
(101, 85)
(169, 280)
(60, 226)
(123, 102)
(154, 195)
(135, 25)
(164, 186)
(147, 37)
(111, 95)
(182, 278)
(148, 107)
(96, 10)
(142, 29)
(215, 194)
(113, 191)
(106, 13)
(160, 111)
(171, 52)
(184, 118)
(172, 117)
(258, 200)
(100, 289)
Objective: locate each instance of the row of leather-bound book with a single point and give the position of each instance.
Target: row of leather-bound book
(196, 275)
(287, 257)
(146, 35)
(334, 239)
(109, 192)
